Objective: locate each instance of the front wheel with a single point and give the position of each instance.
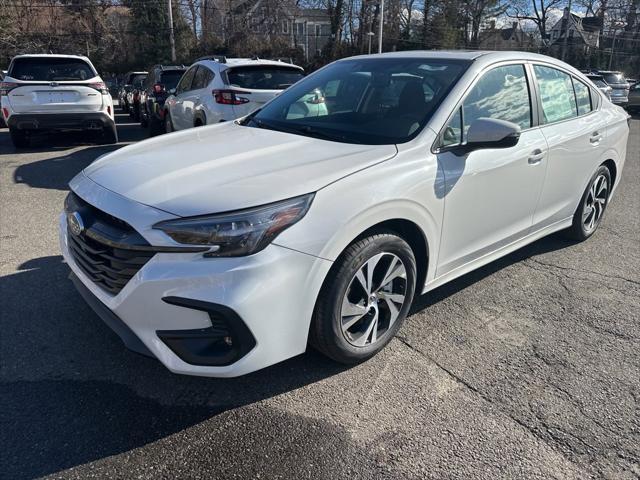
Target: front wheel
(168, 124)
(19, 138)
(592, 206)
(365, 298)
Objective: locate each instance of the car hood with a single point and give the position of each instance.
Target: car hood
(227, 167)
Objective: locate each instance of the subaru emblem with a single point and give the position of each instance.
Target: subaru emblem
(74, 220)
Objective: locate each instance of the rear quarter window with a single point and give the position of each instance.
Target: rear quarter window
(263, 77)
(51, 69)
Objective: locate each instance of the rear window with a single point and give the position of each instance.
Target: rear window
(264, 77)
(171, 78)
(51, 69)
(613, 78)
(138, 80)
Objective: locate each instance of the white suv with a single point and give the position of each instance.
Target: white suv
(55, 92)
(216, 89)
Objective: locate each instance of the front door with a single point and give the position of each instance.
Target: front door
(490, 195)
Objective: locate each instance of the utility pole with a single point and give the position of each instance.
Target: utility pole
(381, 23)
(613, 45)
(565, 29)
(172, 40)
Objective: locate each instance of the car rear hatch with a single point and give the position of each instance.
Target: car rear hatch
(255, 85)
(618, 84)
(53, 84)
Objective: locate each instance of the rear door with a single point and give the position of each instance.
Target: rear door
(257, 84)
(53, 84)
(575, 131)
(179, 115)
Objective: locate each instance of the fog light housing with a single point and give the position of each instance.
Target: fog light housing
(226, 341)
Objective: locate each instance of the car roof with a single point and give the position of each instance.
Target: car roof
(50, 55)
(248, 62)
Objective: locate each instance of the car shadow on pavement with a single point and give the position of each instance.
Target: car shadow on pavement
(72, 393)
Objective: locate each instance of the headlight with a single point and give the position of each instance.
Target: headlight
(238, 233)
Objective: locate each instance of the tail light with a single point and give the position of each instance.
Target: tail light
(230, 97)
(6, 87)
(109, 110)
(158, 88)
(100, 86)
(5, 112)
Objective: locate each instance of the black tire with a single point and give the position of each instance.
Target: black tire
(168, 124)
(154, 127)
(581, 228)
(20, 138)
(326, 333)
(109, 135)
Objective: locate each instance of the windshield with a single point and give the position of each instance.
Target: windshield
(51, 69)
(374, 101)
(613, 78)
(171, 78)
(264, 77)
(137, 79)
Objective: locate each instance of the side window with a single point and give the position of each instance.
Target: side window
(501, 93)
(556, 93)
(583, 98)
(185, 81)
(200, 78)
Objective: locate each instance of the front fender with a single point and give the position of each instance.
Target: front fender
(401, 188)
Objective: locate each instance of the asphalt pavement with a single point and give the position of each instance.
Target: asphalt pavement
(527, 368)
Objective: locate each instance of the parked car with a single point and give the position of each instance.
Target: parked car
(55, 92)
(130, 79)
(599, 82)
(226, 248)
(161, 80)
(634, 99)
(619, 85)
(113, 87)
(216, 89)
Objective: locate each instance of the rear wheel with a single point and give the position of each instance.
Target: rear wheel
(592, 206)
(20, 138)
(109, 135)
(365, 299)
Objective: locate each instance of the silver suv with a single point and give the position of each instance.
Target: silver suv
(55, 92)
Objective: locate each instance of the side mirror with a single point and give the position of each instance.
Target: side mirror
(491, 133)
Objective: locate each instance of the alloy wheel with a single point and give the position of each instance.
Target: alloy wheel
(374, 299)
(594, 203)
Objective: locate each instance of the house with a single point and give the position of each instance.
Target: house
(510, 38)
(279, 23)
(583, 33)
(306, 28)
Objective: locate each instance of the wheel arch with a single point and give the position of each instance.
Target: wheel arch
(613, 169)
(411, 233)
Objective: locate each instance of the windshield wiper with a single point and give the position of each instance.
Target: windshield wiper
(305, 130)
(312, 132)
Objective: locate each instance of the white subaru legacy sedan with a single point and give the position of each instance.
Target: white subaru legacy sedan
(225, 249)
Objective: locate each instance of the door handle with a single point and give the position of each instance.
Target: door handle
(595, 137)
(536, 157)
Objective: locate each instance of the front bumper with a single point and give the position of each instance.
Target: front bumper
(60, 121)
(273, 293)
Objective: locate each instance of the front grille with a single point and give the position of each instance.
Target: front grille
(109, 251)
(110, 268)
